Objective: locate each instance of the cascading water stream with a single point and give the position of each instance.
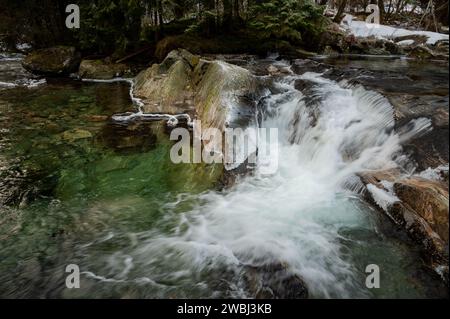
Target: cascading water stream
(304, 216)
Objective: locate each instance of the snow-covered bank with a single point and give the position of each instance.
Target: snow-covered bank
(364, 29)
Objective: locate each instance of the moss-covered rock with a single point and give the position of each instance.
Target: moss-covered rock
(185, 83)
(75, 134)
(208, 90)
(166, 92)
(218, 83)
(98, 69)
(60, 60)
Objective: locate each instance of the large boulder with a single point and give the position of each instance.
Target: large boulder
(60, 60)
(335, 39)
(98, 69)
(217, 93)
(185, 83)
(218, 89)
(167, 87)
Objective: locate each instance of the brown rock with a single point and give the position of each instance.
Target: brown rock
(184, 83)
(429, 199)
(422, 210)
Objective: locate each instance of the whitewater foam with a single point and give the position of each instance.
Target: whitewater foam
(295, 217)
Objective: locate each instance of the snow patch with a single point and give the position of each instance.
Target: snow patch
(363, 29)
(23, 46)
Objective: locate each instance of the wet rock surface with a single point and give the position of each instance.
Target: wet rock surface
(420, 205)
(275, 281)
(184, 83)
(414, 92)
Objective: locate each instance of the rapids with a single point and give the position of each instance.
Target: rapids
(116, 206)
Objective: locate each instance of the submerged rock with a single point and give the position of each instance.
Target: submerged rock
(95, 118)
(275, 281)
(60, 60)
(75, 134)
(98, 69)
(136, 138)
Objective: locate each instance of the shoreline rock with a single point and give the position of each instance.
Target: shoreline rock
(55, 61)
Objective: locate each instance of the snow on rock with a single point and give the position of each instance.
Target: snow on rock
(364, 29)
(383, 198)
(405, 42)
(434, 174)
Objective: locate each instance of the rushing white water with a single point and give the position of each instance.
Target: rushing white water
(295, 217)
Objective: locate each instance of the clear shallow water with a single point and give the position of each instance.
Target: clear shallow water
(139, 226)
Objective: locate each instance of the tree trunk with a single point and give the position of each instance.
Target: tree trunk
(382, 10)
(227, 15)
(340, 13)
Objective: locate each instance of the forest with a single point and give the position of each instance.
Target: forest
(120, 27)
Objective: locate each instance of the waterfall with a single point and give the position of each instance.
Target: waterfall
(301, 216)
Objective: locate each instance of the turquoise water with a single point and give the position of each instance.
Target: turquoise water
(68, 175)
